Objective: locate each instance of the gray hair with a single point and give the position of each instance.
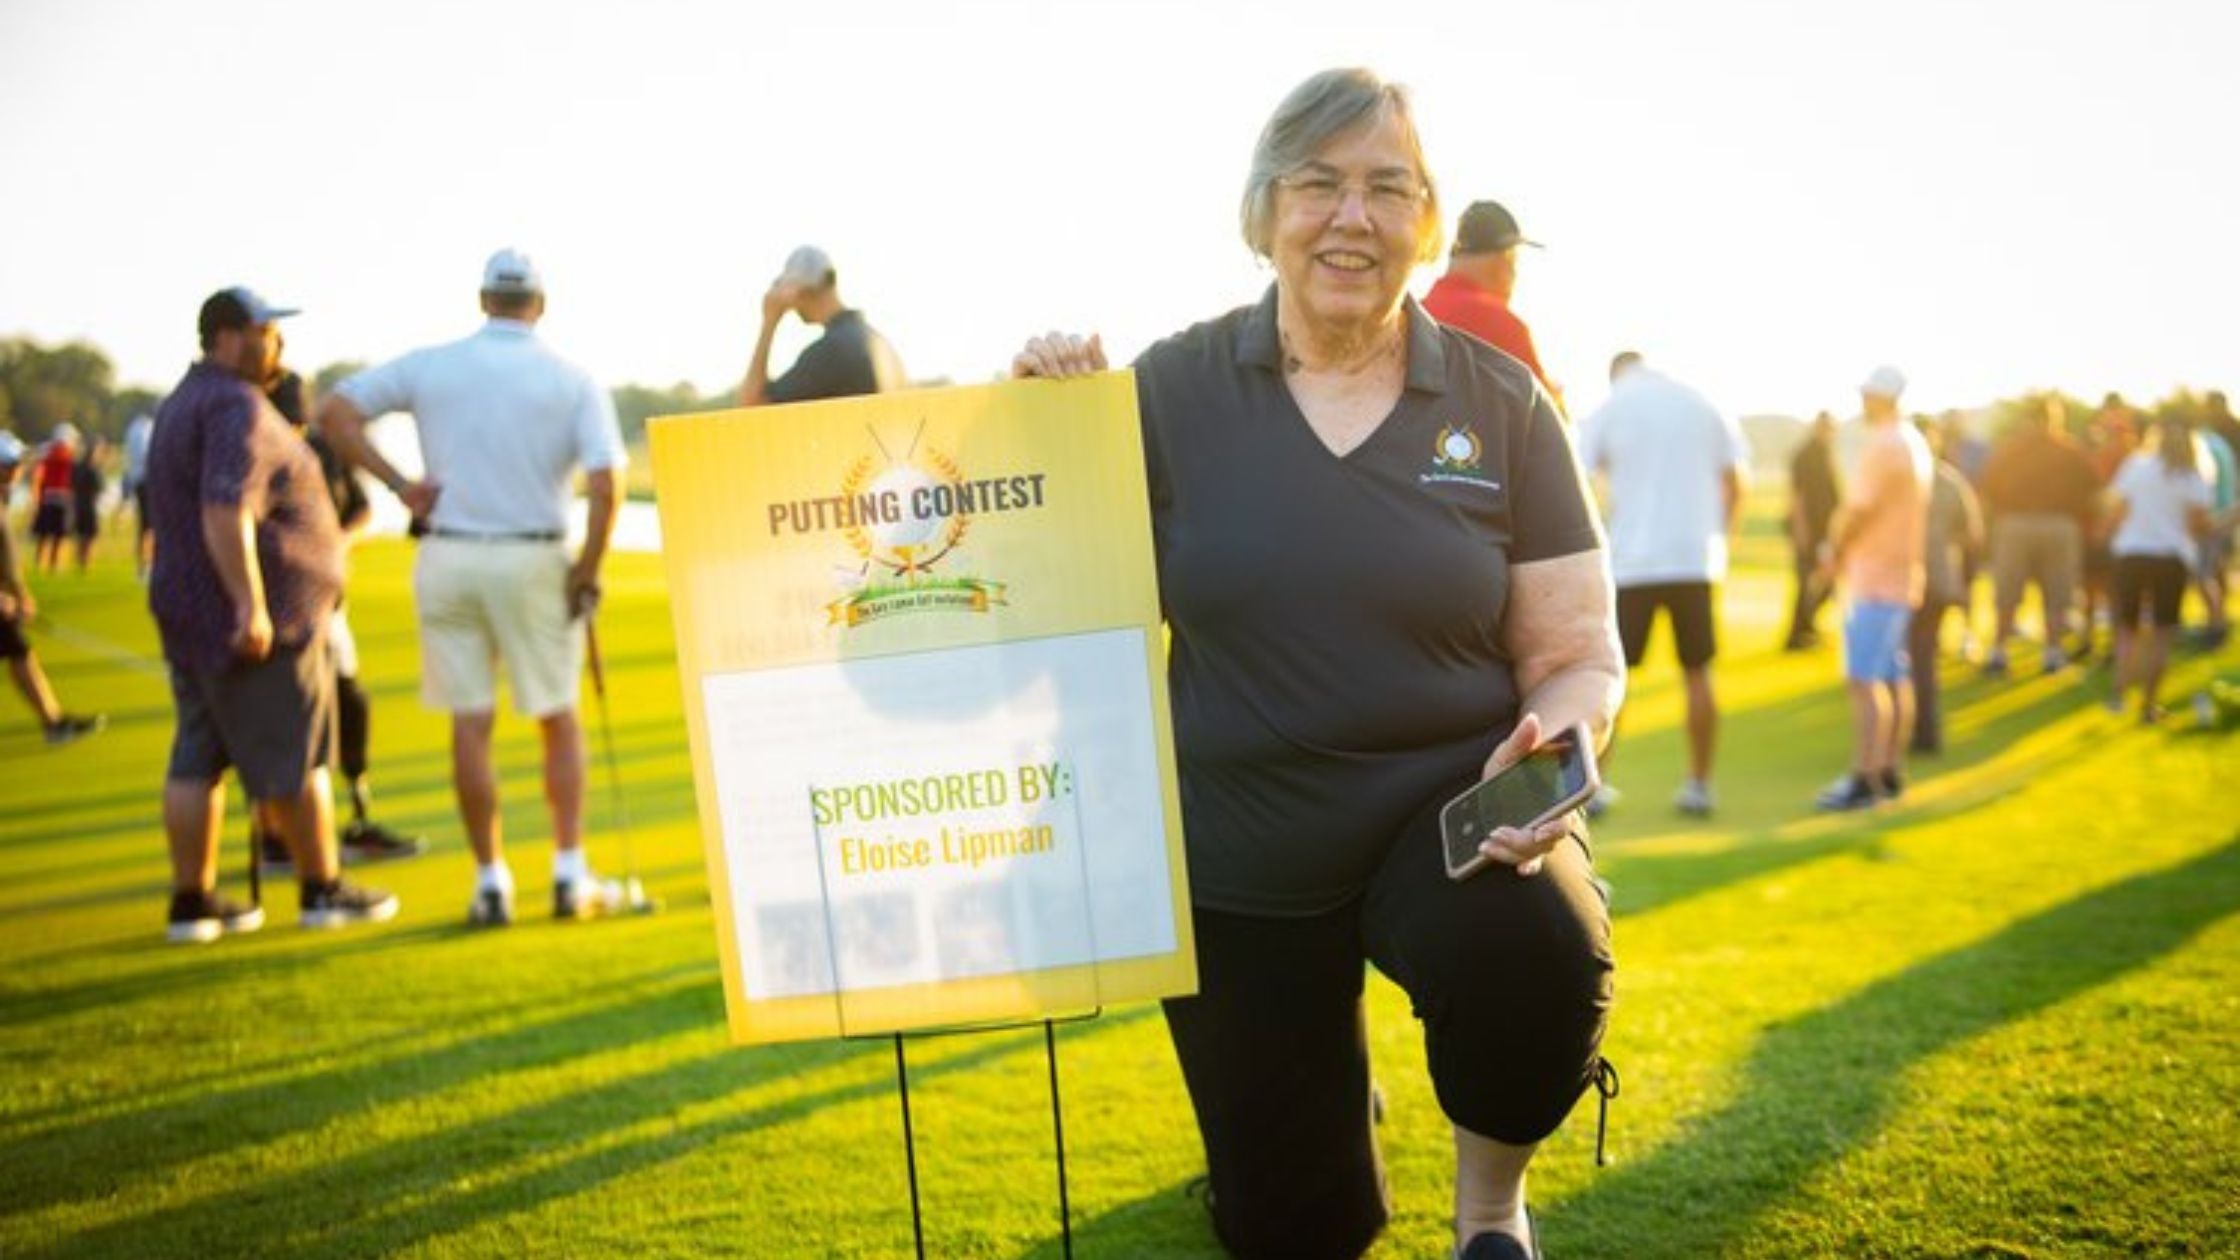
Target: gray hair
(1316, 112)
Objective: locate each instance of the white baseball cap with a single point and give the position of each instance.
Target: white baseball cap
(808, 267)
(11, 450)
(1884, 382)
(511, 271)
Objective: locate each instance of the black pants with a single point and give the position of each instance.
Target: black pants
(1805, 609)
(354, 720)
(1511, 978)
(1921, 644)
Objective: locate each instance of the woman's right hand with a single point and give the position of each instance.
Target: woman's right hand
(1059, 355)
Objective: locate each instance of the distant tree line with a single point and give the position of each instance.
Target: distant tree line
(2190, 406)
(72, 383)
(43, 386)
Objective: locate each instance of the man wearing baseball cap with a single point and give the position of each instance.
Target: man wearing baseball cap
(504, 424)
(248, 568)
(17, 608)
(850, 358)
(1880, 552)
(1481, 275)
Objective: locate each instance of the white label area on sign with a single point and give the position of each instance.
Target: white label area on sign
(941, 815)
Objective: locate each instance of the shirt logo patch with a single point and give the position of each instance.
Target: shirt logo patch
(1454, 459)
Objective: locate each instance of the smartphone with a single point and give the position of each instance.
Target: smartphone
(1550, 781)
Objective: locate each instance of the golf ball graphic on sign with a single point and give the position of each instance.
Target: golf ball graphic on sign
(905, 482)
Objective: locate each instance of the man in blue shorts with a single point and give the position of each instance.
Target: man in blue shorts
(1880, 551)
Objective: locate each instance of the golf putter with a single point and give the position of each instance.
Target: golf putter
(634, 898)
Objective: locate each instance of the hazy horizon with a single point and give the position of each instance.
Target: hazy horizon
(1767, 199)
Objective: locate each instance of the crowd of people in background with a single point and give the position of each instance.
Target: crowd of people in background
(2099, 528)
(244, 504)
(1581, 536)
(2106, 525)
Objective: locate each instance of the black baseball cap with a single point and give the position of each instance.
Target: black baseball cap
(1487, 227)
(237, 308)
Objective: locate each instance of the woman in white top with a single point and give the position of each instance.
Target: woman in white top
(2159, 503)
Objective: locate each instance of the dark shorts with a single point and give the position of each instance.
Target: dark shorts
(13, 646)
(1689, 606)
(2143, 583)
(273, 721)
(52, 520)
(2099, 563)
(1511, 978)
(85, 522)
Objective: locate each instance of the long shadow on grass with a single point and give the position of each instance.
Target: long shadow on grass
(172, 972)
(1791, 743)
(81, 1161)
(1651, 881)
(651, 798)
(1643, 882)
(1166, 1222)
(458, 1179)
(143, 796)
(1817, 1086)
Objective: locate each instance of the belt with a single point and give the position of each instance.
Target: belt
(468, 535)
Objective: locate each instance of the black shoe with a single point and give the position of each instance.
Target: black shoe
(1493, 1245)
(71, 727)
(273, 857)
(1199, 1190)
(366, 841)
(1891, 785)
(490, 908)
(1852, 791)
(337, 904)
(199, 917)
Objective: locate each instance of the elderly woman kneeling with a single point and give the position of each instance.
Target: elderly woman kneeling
(1384, 581)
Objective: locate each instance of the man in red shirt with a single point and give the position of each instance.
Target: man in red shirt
(1481, 274)
(50, 490)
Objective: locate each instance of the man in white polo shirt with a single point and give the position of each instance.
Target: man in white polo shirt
(504, 423)
(1673, 469)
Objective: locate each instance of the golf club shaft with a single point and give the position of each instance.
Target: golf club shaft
(606, 741)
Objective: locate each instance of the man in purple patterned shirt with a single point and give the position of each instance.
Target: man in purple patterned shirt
(248, 569)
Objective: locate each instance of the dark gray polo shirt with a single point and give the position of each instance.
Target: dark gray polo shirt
(1337, 655)
(850, 358)
(219, 443)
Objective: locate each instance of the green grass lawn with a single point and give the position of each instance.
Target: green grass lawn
(2001, 1020)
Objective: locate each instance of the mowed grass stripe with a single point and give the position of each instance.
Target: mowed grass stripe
(1993, 1021)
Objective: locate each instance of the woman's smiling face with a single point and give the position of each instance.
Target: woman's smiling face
(1349, 225)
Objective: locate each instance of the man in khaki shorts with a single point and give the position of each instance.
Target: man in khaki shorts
(504, 424)
(2040, 491)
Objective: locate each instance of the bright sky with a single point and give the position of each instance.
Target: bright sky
(1766, 197)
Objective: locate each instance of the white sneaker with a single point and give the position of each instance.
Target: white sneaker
(588, 898)
(1694, 799)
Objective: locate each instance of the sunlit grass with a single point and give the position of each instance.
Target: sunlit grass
(2002, 1019)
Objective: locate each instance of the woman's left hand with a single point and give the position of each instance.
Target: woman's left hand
(1525, 850)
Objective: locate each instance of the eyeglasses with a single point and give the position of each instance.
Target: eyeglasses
(1384, 196)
